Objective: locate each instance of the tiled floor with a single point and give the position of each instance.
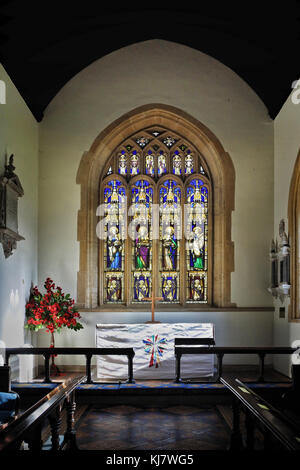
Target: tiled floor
(172, 428)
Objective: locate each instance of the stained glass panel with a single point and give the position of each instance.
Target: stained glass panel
(189, 163)
(169, 240)
(161, 163)
(149, 164)
(134, 163)
(114, 247)
(177, 163)
(196, 223)
(122, 167)
(141, 235)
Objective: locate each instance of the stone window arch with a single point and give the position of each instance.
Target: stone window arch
(156, 148)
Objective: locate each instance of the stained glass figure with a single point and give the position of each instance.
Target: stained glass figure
(114, 288)
(142, 248)
(196, 287)
(114, 249)
(155, 152)
(134, 163)
(149, 163)
(189, 163)
(169, 287)
(169, 249)
(161, 163)
(177, 163)
(123, 163)
(196, 248)
(142, 286)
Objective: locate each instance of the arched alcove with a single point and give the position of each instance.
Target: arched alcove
(223, 188)
(294, 239)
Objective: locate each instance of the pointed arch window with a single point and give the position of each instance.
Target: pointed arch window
(166, 232)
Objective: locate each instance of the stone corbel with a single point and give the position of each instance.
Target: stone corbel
(9, 240)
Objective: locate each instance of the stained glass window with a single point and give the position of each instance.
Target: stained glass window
(156, 170)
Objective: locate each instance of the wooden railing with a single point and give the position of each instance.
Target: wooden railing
(27, 427)
(259, 413)
(129, 352)
(87, 352)
(221, 351)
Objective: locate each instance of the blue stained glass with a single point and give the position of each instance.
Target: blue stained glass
(169, 288)
(170, 192)
(142, 193)
(114, 192)
(141, 287)
(196, 191)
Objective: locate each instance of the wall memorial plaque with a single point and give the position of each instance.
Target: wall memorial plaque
(10, 191)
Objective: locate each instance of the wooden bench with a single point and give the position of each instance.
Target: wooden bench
(9, 401)
(27, 427)
(262, 415)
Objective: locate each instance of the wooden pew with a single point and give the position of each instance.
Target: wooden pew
(9, 401)
(27, 426)
(261, 414)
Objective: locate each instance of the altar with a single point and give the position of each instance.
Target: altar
(153, 345)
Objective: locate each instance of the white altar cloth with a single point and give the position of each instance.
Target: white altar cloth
(154, 350)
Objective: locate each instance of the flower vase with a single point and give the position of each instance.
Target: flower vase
(54, 370)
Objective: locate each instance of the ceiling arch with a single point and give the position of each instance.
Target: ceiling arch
(43, 46)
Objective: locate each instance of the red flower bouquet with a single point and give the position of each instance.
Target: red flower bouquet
(53, 310)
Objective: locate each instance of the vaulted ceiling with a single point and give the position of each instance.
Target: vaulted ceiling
(43, 45)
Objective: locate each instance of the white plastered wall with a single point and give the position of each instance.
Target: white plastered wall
(286, 149)
(19, 135)
(168, 73)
